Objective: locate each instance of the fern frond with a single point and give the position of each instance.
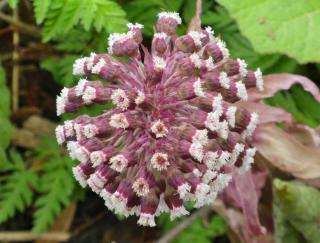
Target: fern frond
(13, 3)
(63, 15)
(56, 186)
(16, 192)
(41, 8)
(109, 15)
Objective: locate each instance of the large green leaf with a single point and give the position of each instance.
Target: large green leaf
(240, 47)
(286, 26)
(296, 212)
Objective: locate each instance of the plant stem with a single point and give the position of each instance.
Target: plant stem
(16, 67)
(23, 27)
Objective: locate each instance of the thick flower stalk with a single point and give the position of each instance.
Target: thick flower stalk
(174, 134)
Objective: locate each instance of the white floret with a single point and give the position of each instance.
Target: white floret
(78, 66)
(242, 67)
(178, 212)
(197, 88)
(223, 48)
(119, 121)
(196, 36)
(146, 220)
(195, 59)
(241, 91)
(134, 26)
(79, 176)
(254, 119)
(159, 63)
(224, 80)
(196, 151)
(96, 69)
(259, 79)
(172, 15)
(231, 115)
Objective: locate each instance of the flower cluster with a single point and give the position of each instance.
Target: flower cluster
(175, 134)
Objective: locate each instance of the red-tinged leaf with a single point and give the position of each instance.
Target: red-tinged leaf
(242, 193)
(266, 113)
(276, 82)
(237, 223)
(306, 135)
(287, 153)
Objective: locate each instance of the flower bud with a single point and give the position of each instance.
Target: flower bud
(160, 43)
(82, 172)
(122, 44)
(217, 50)
(168, 22)
(254, 79)
(136, 31)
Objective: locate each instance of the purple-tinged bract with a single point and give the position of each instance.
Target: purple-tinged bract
(175, 134)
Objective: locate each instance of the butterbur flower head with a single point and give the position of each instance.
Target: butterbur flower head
(175, 133)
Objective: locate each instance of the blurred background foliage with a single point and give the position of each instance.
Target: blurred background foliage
(36, 181)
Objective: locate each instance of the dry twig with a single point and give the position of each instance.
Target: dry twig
(88, 223)
(15, 69)
(22, 27)
(24, 236)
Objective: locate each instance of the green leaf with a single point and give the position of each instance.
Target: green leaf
(56, 185)
(201, 233)
(299, 103)
(109, 15)
(5, 125)
(4, 162)
(75, 41)
(274, 26)
(41, 8)
(173, 5)
(300, 206)
(197, 232)
(5, 95)
(240, 47)
(63, 15)
(284, 231)
(13, 3)
(16, 192)
(145, 12)
(188, 10)
(5, 131)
